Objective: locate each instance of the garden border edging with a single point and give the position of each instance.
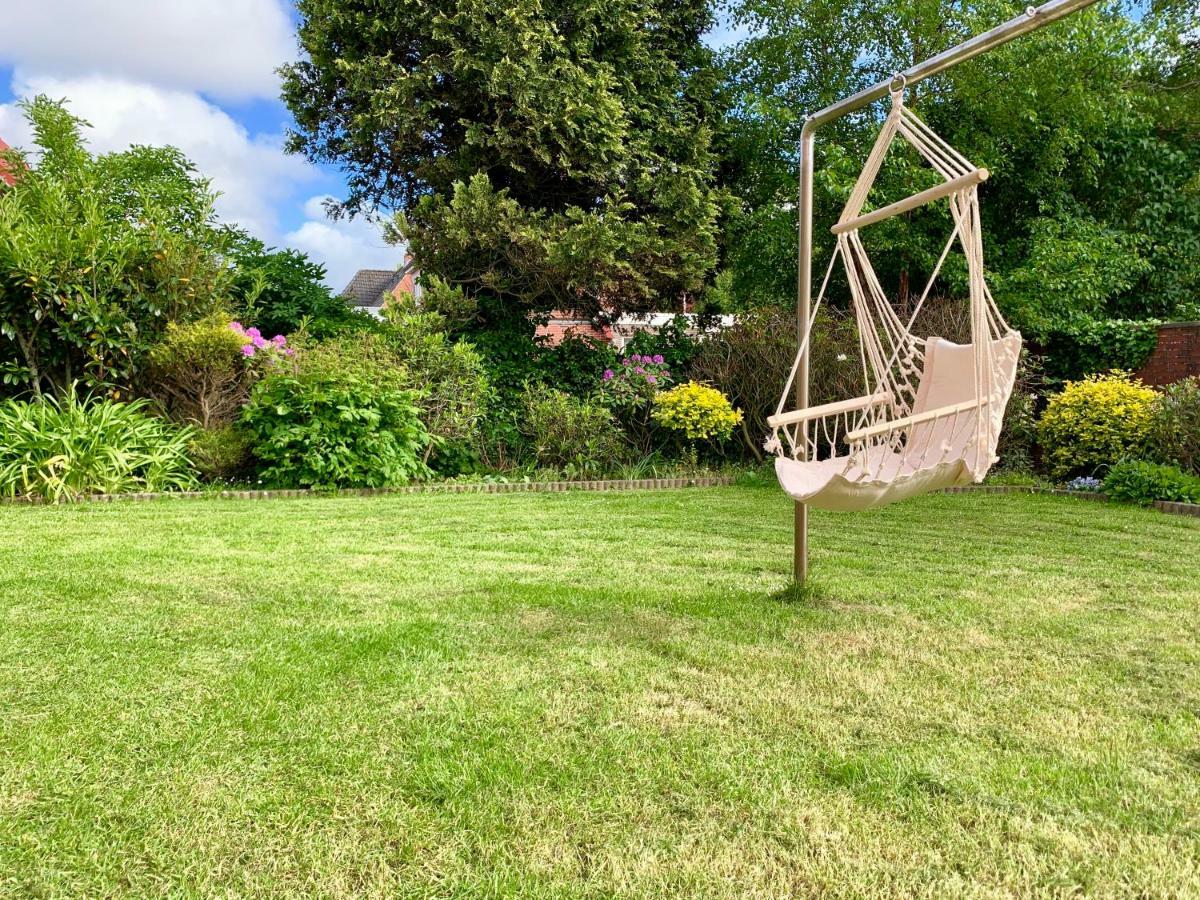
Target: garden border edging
(1167, 506)
(450, 487)
(542, 487)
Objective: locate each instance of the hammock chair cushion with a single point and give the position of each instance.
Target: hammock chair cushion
(884, 475)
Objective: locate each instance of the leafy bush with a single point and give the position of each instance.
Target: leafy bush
(449, 376)
(697, 411)
(199, 373)
(1095, 422)
(265, 352)
(635, 381)
(316, 428)
(1144, 482)
(369, 355)
(578, 437)
(1097, 345)
(629, 389)
(62, 449)
(1174, 436)
(1019, 430)
(97, 255)
(221, 454)
(282, 290)
(750, 362)
(514, 356)
(672, 342)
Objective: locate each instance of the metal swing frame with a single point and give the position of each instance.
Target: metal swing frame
(1032, 19)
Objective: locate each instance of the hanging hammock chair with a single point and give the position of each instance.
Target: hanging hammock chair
(932, 411)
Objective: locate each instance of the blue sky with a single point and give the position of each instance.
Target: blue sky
(198, 74)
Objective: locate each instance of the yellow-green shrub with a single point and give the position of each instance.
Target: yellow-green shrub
(1095, 423)
(698, 411)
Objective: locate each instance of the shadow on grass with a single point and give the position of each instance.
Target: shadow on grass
(809, 593)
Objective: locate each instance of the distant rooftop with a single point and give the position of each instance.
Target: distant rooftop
(368, 286)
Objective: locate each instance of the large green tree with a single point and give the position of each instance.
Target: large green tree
(1089, 127)
(549, 153)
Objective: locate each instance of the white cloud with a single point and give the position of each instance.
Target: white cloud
(228, 48)
(252, 173)
(344, 245)
(135, 70)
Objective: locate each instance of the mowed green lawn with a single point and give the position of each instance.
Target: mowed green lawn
(596, 695)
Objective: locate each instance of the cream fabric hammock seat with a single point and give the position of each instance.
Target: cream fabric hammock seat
(933, 409)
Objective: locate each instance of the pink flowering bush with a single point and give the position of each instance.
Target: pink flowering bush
(635, 380)
(255, 346)
(629, 389)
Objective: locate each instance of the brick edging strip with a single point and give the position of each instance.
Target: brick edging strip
(441, 487)
(1167, 506)
(542, 487)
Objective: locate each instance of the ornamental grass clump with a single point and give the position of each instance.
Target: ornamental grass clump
(1094, 423)
(62, 449)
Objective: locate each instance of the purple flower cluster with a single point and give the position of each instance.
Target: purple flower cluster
(637, 378)
(256, 343)
(1085, 483)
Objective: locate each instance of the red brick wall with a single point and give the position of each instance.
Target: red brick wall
(5, 175)
(561, 326)
(1176, 356)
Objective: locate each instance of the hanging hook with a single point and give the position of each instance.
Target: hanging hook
(898, 84)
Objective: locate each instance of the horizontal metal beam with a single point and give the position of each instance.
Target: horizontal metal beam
(929, 195)
(1033, 18)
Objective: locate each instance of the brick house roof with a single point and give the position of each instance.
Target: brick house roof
(368, 286)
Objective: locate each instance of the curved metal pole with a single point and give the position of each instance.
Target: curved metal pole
(1032, 19)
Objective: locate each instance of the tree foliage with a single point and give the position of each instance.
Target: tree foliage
(1089, 128)
(97, 255)
(553, 154)
(282, 290)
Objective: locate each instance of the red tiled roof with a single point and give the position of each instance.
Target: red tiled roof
(5, 175)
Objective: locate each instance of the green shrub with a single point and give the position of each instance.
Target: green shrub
(1174, 436)
(750, 361)
(282, 290)
(449, 376)
(97, 254)
(198, 372)
(696, 411)
(578, 437)
(324, 429)
(1094, 423)
(1144, 482)
(62, 449)
(221, 454)
(368, 355)
(628, 389)
(1097, 345)
(672, 342)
